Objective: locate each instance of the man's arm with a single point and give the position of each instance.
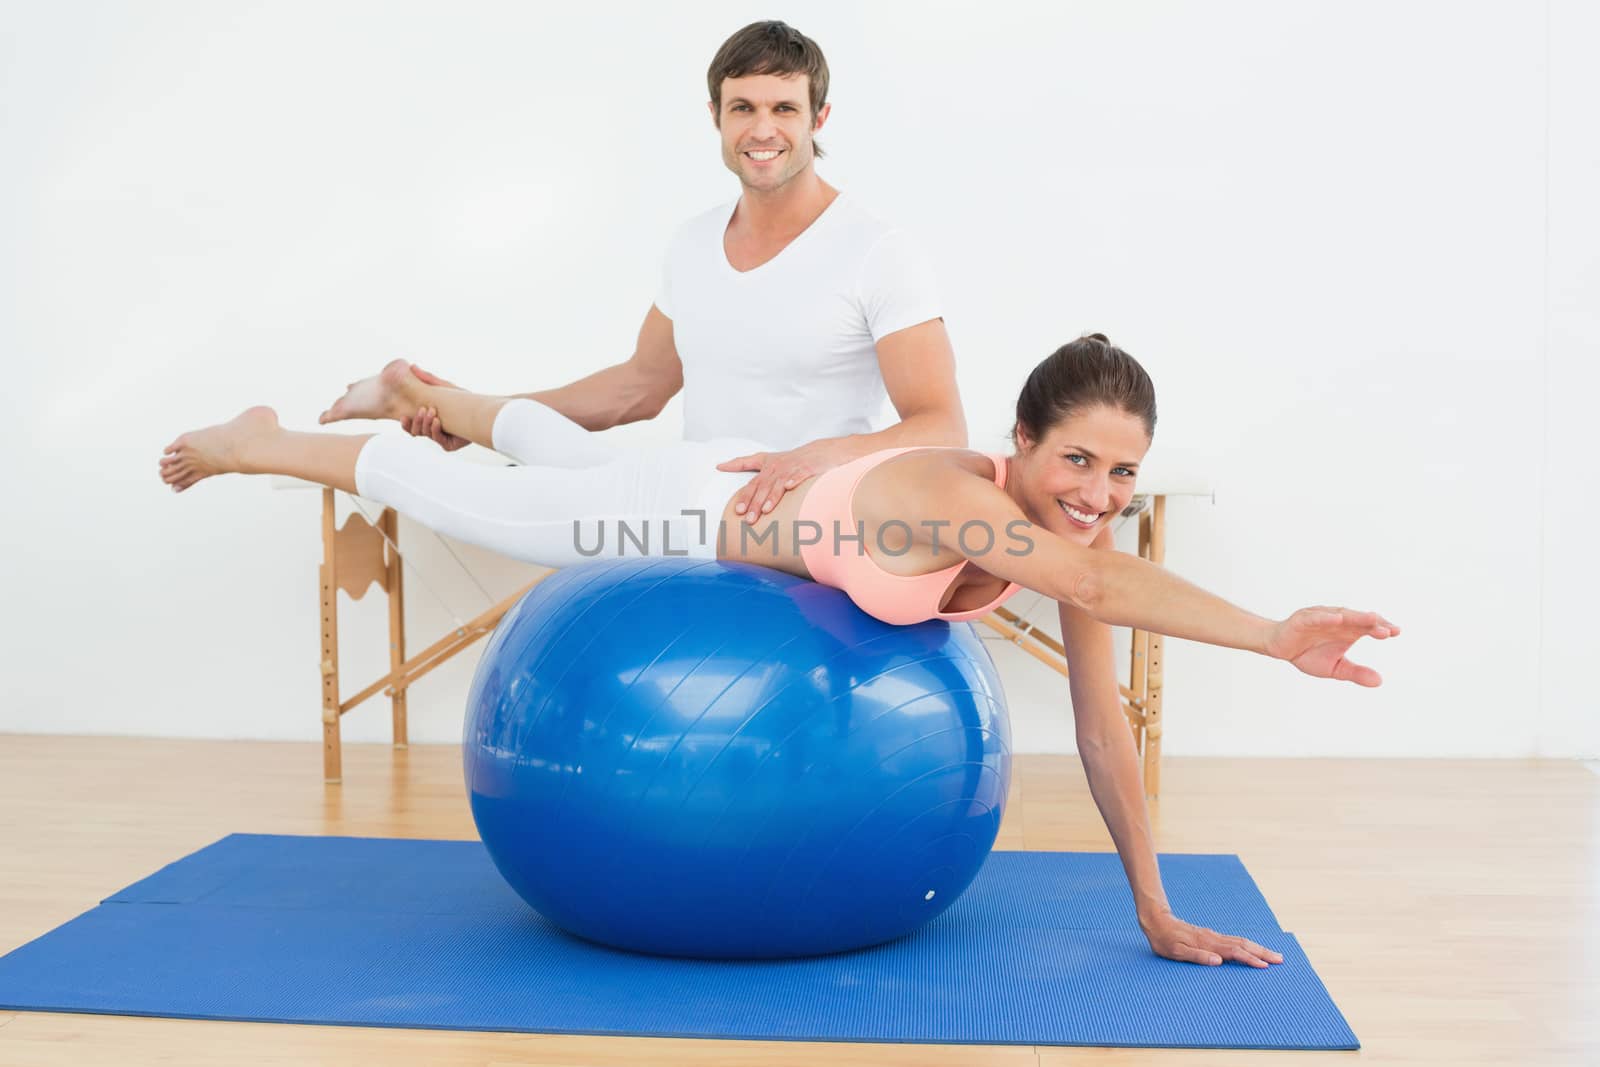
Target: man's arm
(635, 389)
(919, 374)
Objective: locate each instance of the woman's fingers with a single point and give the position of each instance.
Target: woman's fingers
(1190, 954)
(1373, 623)
(1218, 947)
(1345, 671)
(1351, 625)
(1178, 940)
(1249, 952)
(1262, 951)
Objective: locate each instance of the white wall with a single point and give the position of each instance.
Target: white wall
(1569, 720)
(1354, 244)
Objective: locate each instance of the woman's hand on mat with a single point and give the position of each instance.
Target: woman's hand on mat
(781, 472)
(425, 423)
(1175, 939)
(1316, 639)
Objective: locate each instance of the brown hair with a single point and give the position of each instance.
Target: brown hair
(770, 48)
(1089, 372)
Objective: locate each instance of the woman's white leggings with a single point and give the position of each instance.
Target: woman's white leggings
(574, 497)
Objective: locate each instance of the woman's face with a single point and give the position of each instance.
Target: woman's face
(1076, 479)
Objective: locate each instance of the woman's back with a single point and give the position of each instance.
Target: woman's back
(864, 527)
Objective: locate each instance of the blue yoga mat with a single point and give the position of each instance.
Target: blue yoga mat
(1043, 949)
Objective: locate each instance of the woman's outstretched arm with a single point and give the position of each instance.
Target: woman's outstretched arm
(1122, 590)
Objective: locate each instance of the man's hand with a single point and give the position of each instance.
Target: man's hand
(1175, 939)
(425, 421)
(1316, 639)
(781, 472)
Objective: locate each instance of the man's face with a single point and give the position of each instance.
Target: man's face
(767, 126)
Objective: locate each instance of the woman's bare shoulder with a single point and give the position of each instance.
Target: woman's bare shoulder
(942, 461)
(914, 480)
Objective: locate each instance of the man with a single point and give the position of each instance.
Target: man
(787, 315)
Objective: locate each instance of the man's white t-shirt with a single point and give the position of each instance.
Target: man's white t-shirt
(784, 353)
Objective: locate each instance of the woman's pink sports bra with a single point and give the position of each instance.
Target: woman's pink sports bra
(899, 599)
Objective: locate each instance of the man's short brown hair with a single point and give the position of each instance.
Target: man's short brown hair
(770, 48)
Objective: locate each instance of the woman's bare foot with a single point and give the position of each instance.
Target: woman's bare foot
(218, 449)
(382, 396)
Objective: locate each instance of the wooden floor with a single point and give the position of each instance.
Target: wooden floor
(1452, 908)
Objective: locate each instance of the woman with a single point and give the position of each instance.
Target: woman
(910, 534)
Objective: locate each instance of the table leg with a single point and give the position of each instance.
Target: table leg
(1154, 673)
(389, 522)
(331, 751)
(1139, 653)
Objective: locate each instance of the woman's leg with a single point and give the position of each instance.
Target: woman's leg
(254, 443)
(394, 393)
(525, 430)
(554, 516)
(530, 432)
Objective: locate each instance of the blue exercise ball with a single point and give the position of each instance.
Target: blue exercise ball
(718, 760)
